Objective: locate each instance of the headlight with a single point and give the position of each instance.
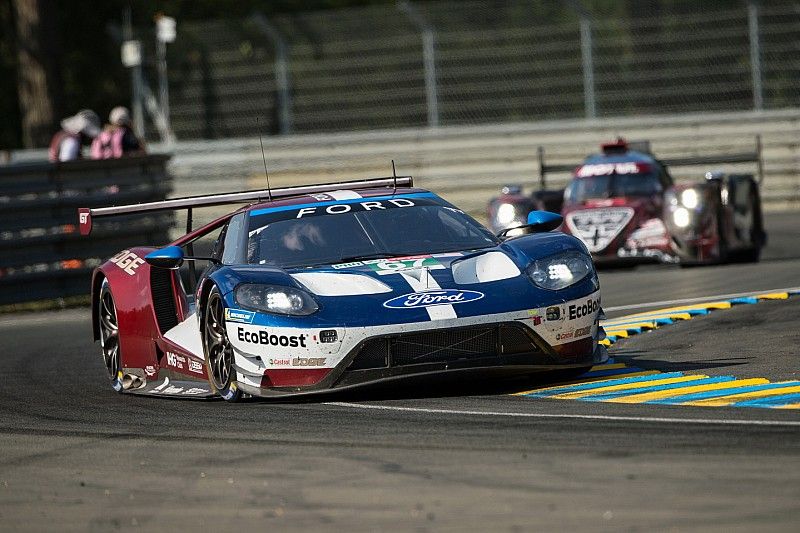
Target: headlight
(274, 299)
(506, 213)
(681, 217)
(689, 198)
(560, 270)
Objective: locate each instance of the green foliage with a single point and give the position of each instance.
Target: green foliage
(9, 111)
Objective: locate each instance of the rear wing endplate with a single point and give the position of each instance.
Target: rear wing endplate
(86, 214)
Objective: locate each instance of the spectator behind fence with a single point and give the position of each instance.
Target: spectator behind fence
(117, 139)
(75, 131)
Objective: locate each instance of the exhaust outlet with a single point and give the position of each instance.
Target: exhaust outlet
(132, 381)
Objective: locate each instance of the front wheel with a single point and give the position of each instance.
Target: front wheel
(218, 350)
(108, 325)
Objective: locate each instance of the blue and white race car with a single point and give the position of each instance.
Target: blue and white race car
(338, 286)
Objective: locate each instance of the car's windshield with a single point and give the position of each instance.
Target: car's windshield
(611, 186)
(367, 228)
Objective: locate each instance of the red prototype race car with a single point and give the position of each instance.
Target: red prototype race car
(624, 205)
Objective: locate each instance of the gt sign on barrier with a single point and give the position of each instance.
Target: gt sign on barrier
(41, 253)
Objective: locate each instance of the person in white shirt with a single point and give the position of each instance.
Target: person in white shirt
(76, 131)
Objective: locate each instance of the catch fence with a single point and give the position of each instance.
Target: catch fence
(478, 62)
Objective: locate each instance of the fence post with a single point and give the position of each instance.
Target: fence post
(587, 60)
(428, 58)
(282, 80)
(755, 54)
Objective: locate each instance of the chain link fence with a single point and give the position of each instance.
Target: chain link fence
(474, 62)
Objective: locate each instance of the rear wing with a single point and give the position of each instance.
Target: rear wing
(86, 214)
(644, 146)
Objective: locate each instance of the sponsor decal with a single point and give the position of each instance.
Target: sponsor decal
(348, 265)
(582, 332)
(308, 361)
(652, 233)
(598, 227)
(127, 261)
(554, 313)
(239, 315)
(399, 264)
(563, 336)
(150, 370)
(327, 336)
(432, 298)
(606, 169)
(535, 316)
(83, 218)
(195, 366)
(322, 197)
(582, 310)
(278, 361)
(166, 388)
(337, 209)
(265, 338)
(176, 361)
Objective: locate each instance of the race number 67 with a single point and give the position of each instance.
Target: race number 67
(400, 265)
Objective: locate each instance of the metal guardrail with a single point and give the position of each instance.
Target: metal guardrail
(41, 253)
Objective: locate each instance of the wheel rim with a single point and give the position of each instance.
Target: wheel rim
(109, 333)
(220, 354)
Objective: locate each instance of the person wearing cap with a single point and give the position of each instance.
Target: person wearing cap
(118, 138)
(76, 131)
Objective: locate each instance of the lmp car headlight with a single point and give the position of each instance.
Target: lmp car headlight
(506, 213)
(690, 198)
(681, 217)
(561, 270)
(274, 299)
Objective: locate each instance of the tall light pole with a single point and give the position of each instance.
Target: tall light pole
(165, 33)
(131, 52)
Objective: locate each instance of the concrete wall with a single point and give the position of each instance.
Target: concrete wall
(467, 165)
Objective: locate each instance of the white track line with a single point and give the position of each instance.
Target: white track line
(706, 421)
(697, 300)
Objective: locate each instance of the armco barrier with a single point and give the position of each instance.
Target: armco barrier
(42, 256)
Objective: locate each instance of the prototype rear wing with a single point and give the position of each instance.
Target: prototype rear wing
(644, 146)
(86, 214)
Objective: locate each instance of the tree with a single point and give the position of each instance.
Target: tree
(38, 79)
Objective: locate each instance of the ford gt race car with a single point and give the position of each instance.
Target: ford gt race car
(329, 287)
(624, 205)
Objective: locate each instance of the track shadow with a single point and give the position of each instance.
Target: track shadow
(428, 387)
(633, 358)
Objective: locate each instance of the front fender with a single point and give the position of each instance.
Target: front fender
(128, 276)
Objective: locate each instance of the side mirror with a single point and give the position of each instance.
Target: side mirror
(544, 221)
(538, 222)
(169, 257)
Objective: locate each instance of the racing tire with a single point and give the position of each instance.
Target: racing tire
(108, 326)
(756, 230)
(218, 350)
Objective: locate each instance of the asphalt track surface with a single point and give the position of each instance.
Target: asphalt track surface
(463, 456)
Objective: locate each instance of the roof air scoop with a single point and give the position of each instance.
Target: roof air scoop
(620, 146)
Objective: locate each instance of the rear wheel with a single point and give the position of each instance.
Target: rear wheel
(753, 229)
(218, 350)
(108, 325)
